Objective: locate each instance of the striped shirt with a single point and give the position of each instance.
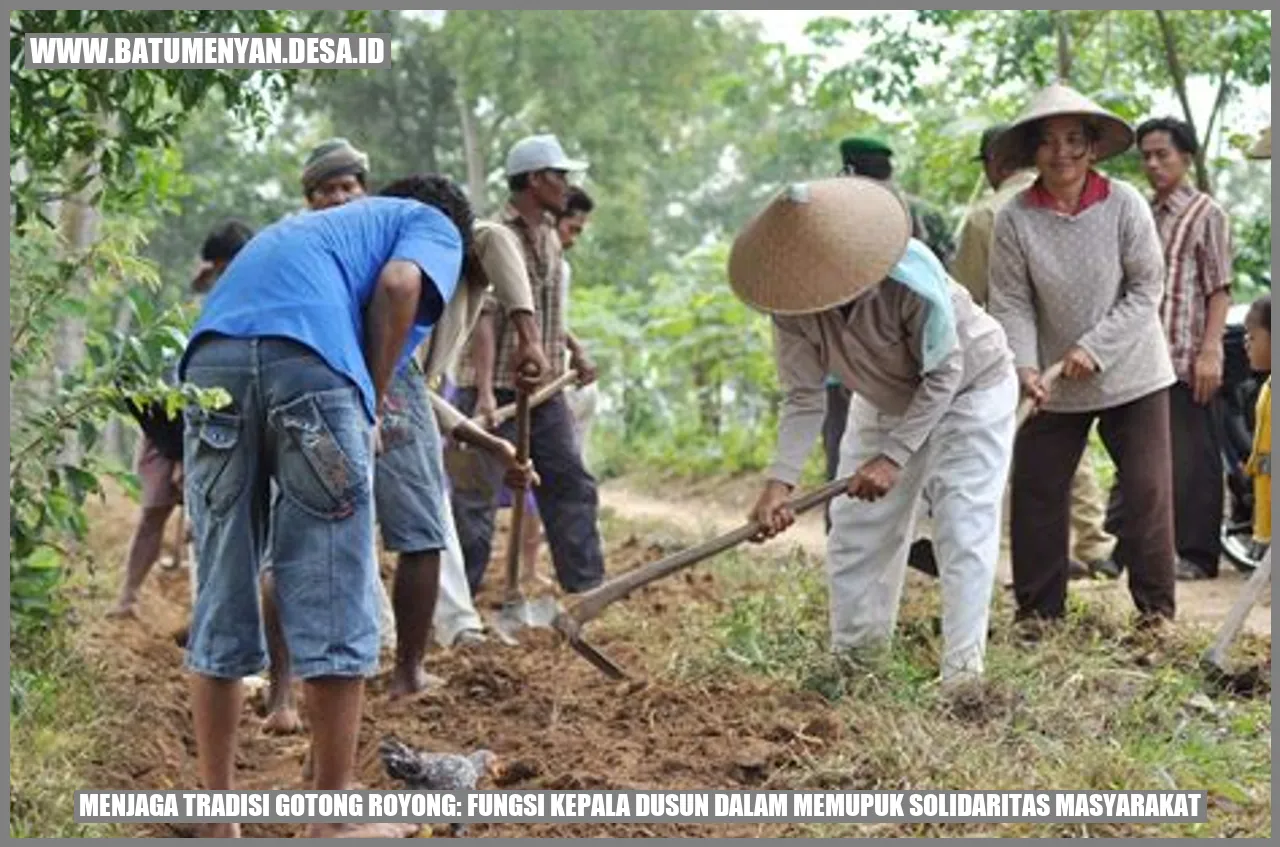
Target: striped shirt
(543, 260)
(1196, 236)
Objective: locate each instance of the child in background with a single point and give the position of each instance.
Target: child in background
(1258, 343)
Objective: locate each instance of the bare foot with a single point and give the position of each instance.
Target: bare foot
(413, 683)
(124, 608)
(220, 830)
(536, 580)
(362, 830)
(282, 721)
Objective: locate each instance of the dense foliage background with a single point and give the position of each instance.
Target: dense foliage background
(689, 118)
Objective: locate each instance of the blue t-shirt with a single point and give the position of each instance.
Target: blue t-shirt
(310, 277)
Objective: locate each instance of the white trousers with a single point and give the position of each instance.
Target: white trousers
(455, 610)
(961, 470)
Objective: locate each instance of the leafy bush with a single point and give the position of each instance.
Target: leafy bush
(57, 418)
(1252, 263)
(689, 381)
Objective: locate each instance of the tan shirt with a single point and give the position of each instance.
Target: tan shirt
(972, 260)
(496, 268)
(876, 351)
(543, 256)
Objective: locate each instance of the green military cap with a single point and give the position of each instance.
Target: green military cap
(862, 145)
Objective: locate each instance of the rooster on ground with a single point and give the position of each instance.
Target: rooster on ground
(437, 771)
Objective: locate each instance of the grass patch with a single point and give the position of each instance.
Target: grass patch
(56, 738)
(1090, 707)
(690, 455)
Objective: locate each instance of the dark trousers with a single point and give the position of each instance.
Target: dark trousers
(838, 398)
(568, 502)
(1195, 433)
(1045, 456)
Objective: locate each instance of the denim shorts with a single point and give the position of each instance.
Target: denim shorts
(295, 422)
(408, 483)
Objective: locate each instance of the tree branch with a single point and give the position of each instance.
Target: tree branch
(1218, 102)
(1082, 37)
(1179, 76)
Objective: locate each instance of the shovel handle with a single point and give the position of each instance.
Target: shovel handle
(592, 603)
(1027, 407)
(536, 399)
(522, 406)
(1258, 582)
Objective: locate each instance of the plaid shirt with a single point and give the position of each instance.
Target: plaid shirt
(543, 257)
(1197, 257)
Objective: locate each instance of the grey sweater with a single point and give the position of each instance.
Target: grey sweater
(1094, 279)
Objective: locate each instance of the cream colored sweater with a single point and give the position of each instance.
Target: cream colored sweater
(1094, 279)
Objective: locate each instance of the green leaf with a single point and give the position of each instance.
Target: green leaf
(82, 482)
(88, 432)
(43, 559)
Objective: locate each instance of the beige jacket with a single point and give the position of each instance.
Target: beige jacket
(972, 261)
(497, 264)
(874, 345)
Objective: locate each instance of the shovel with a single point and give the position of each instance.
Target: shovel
(1214, 661)
(516, 614)
(587, 607)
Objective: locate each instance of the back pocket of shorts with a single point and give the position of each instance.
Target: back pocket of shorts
(214, 469)
(323, 457)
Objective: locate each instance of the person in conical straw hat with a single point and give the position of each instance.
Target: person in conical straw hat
(1077, 276)
(852, 294)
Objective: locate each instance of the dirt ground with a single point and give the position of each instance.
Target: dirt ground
(554, 721)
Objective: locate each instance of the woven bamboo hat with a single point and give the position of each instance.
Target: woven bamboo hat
(1116, 136)
(1261, 148)
(818, 244)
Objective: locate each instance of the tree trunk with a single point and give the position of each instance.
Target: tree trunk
(78, 222)
(1064, 46)
(476, 183)
(113, 440)
(1179, 77)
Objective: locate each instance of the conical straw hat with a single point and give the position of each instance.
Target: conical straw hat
(819, 244)
(1261, 148)
(1054, 101)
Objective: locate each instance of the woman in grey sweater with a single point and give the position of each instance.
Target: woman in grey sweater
(1076, 276)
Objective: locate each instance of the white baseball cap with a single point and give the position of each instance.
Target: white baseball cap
(540, 153)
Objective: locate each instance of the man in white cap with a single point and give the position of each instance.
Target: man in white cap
(851, 293)
(537, 176)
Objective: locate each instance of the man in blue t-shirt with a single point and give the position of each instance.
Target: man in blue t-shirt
(305, 331)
